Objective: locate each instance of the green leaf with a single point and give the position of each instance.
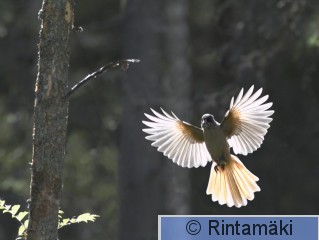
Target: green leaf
(73, 220)
(21, 230)
(21, 215)
(85, 217)
(26, 223)
(14, 210)
(7, 208)
(66, 221)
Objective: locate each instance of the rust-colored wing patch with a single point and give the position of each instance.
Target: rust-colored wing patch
(178, 140)
(192, 132)
(231, 124)
(247, 121)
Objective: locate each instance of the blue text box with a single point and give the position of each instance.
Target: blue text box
(238, 227)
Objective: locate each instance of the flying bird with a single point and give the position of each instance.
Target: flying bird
(242, 129)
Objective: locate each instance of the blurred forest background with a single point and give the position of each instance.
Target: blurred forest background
(195, 55)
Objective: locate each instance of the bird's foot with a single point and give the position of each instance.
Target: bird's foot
(222, 166)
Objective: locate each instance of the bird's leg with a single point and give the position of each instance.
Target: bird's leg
(221, 163)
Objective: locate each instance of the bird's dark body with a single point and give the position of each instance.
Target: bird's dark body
(217, 145)
(215, 140)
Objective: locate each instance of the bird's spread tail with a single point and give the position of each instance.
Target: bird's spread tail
(232, 185)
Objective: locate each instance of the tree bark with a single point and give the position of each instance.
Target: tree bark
(150, 184)
(139, 166)
(176, 87)
(50, 119)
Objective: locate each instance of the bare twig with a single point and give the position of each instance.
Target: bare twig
(124, 64)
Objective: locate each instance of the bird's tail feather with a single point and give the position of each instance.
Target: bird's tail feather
(233, 185)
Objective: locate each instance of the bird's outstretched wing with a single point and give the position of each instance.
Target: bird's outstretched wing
(178, 140)
(247, 121)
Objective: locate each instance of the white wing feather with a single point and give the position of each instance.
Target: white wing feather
(254, 121)
(169, 139)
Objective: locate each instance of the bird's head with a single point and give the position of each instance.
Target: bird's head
(208, 121)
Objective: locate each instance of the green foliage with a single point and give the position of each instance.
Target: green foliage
(22, 218)
(95, 169)
(15, 148)
(313, 40)
(85, 217)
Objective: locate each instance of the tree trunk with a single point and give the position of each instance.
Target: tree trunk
(150, 184)
(177, 92)
(139, 166)
(50, 119)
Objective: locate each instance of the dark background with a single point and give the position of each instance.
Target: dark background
(195, 55)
